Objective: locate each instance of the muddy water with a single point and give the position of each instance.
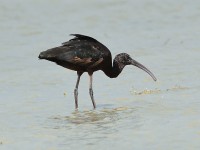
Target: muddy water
(133, 112)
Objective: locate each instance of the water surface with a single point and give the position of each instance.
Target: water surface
(133, 111)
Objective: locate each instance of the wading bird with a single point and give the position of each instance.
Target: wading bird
(86, 54)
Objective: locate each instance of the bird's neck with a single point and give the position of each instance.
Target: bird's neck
(114, 70)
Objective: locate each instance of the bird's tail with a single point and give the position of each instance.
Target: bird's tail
(46, 55)
(42, 56)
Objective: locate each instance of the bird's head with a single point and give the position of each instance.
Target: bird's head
(124, 59)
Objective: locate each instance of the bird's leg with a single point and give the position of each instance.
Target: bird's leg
(76, 89)
(91, 91)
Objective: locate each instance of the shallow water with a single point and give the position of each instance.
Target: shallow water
(133, 112)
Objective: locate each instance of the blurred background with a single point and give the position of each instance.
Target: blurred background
(133, 112)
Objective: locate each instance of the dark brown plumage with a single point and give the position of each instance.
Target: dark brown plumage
(86, 54)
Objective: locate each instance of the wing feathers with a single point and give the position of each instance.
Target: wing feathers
(81, 51)
(96, 63)
(82, 61)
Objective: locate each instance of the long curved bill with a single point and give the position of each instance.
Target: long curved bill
(139, 65)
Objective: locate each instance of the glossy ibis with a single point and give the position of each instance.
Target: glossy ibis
(86, 54)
